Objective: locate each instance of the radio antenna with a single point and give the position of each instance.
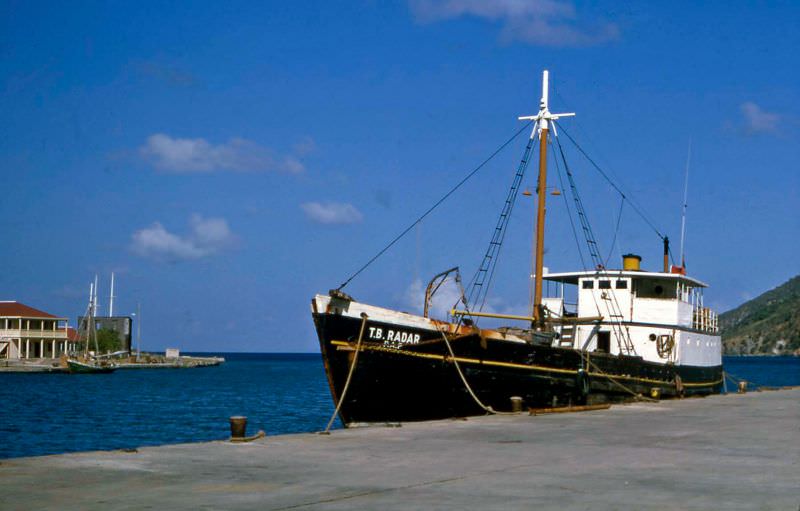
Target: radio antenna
(685, 205)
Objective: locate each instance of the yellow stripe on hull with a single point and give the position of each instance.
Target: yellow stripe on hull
(531, 367)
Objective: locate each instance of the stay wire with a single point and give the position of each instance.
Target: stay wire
(439, 202)
(569, 211)
(610, 182)
(616, 231)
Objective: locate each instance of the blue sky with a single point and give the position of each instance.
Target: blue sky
(230, 160)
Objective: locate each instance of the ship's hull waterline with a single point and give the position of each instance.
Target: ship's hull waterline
(415, 378)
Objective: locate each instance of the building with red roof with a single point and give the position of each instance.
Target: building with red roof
(27, 333)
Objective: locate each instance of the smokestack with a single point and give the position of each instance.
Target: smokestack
(631, 262)
(666, 254)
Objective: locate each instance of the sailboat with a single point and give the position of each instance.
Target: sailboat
(86, 363)
(633, 334)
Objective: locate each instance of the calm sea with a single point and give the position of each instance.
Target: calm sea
(279, 393)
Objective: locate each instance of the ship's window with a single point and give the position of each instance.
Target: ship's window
(622, 284)
(604, 341)
(605, 284)
(645, 288)
(588, 284)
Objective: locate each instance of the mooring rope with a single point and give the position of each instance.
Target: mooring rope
(349, 374)
(487, 409)
(737, 380)
(604, 374)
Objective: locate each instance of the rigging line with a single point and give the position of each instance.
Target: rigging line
(513, 197)
(591, 242)
(440, 201)
(616, 231)
(634, 205)
(502, 237)
(623, 338)
(481, 282)
(578, 127)
(569, 211)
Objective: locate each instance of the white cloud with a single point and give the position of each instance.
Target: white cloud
(332, 212)
(757, 120)
(189, 155)
(540, 22)
(206, 237)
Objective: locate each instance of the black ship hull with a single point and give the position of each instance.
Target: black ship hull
(415, 378)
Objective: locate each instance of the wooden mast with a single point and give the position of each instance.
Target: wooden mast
(540, 213)
(542, 126)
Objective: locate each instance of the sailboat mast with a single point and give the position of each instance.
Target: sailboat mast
(542, 125)
(111, 298)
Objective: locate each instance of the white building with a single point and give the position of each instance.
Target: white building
(27, 333)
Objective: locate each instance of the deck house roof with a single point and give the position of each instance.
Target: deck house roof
(573, 277)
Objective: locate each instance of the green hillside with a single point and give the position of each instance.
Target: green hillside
(768, 324)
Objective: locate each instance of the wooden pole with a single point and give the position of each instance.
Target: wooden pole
(540, 213)
(569, 409)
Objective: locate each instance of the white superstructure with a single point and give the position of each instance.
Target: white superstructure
(657, 316)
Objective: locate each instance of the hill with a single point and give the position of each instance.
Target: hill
(768, 324)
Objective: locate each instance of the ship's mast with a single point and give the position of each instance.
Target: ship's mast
(542, 128)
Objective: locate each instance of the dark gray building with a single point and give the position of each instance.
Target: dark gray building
(123, 325)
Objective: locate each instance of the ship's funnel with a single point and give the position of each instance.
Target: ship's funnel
(631, 262)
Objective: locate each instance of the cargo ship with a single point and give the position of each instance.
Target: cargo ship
(628, 333)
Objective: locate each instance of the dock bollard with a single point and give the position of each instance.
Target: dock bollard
(238, 426)
(516, 404)
(742, 387)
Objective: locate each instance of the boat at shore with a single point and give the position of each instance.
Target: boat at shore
(629, 333)
(76, 366)
(90, 362)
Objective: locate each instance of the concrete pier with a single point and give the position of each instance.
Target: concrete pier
(721, 452)
(148, 362)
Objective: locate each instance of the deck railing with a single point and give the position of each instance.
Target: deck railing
(705, 319)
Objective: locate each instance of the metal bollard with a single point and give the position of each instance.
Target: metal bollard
(742, 387)
(516, 404)
(238, 426)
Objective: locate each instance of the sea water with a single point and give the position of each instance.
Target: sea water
(46, 413)
(279, 393)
